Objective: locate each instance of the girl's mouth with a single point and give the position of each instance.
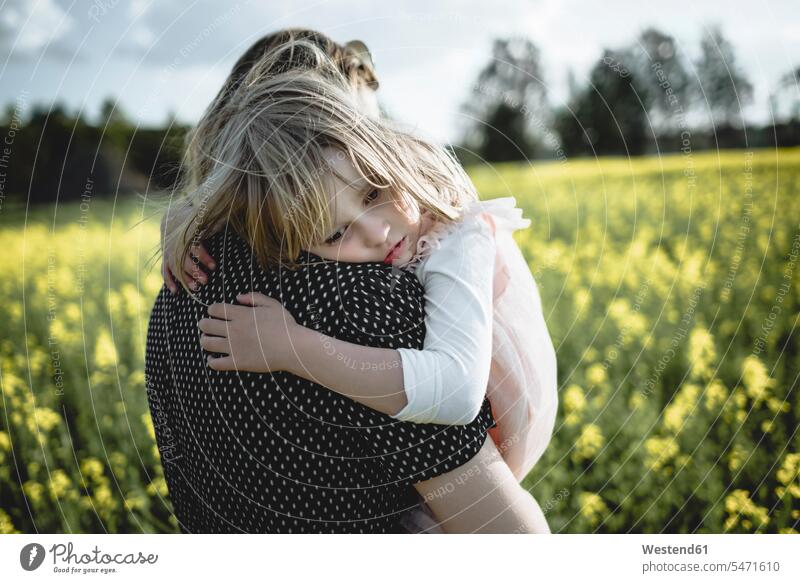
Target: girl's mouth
(394, 251)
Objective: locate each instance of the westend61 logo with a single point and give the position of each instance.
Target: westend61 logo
(65, 560)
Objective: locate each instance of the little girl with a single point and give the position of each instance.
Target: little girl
(485, 332)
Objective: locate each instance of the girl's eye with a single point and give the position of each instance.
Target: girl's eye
(333, 238)
(372, 195)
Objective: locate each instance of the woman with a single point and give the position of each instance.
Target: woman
(503, 506)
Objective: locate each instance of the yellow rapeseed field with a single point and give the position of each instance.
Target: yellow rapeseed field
(670, 286)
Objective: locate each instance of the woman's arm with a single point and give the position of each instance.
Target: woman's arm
(483, 496)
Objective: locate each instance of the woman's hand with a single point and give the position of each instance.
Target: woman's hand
(256, 337)
(191, 267)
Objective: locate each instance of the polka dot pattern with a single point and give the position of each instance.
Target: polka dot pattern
(250, 452)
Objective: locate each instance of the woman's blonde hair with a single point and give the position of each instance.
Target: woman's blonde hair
(349, 58)
(267, 174)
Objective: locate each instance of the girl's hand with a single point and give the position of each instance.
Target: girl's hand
(256, 337)
(191, 267)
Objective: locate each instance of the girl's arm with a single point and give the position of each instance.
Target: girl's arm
(444, 383)
(265, 338)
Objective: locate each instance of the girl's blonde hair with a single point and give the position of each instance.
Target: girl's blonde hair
(267, 172)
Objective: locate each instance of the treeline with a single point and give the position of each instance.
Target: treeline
(54, 156)
(646, 97)
(642, 98)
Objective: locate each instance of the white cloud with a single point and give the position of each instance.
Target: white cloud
(28, 27)
(427, 53)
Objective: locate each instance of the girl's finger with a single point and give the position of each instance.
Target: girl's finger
(226, 311)
(193, 283)
(203, 256)
(167, 275)
(256, 299)
(194, 270)
(221, 363)
(215, 344)
(214, 327)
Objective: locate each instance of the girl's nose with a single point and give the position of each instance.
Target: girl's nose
(376, 232)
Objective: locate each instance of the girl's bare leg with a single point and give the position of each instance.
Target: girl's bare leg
(483, 496)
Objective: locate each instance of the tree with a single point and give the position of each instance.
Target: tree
(785, 98)
(610, 115)
(660, 71)
(508, 101)
(723, 85)
(110, 113)
(505, 138)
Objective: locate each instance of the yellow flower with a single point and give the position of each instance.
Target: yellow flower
(44, 419)
(789, 476)
(104, 499)
(152, 284)
(33, 491)
(157, 487)
(740, 507)
(660, 451)
(582, 299)
(776, 405)
(636, 401)
(756, 379)
(5, 441)
(596, 374)
(589, 442)
(681, 406)
(592, 507)
(6, 526)
(736, 457)
(574, 404)
(702, 352)
(93, 468)
(134, 501)
(72, 312)
(133, 301)
(118, 463)
(148, 424)
(60, 484)
(716, 394)
(105, 353)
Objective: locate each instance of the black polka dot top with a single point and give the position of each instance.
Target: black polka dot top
(275, 453)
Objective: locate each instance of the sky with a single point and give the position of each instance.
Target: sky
(171, 57)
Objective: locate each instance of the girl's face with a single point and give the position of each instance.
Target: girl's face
(367, 224)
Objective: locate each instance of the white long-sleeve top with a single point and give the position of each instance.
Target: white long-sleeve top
(484, 322)
(446, 381)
